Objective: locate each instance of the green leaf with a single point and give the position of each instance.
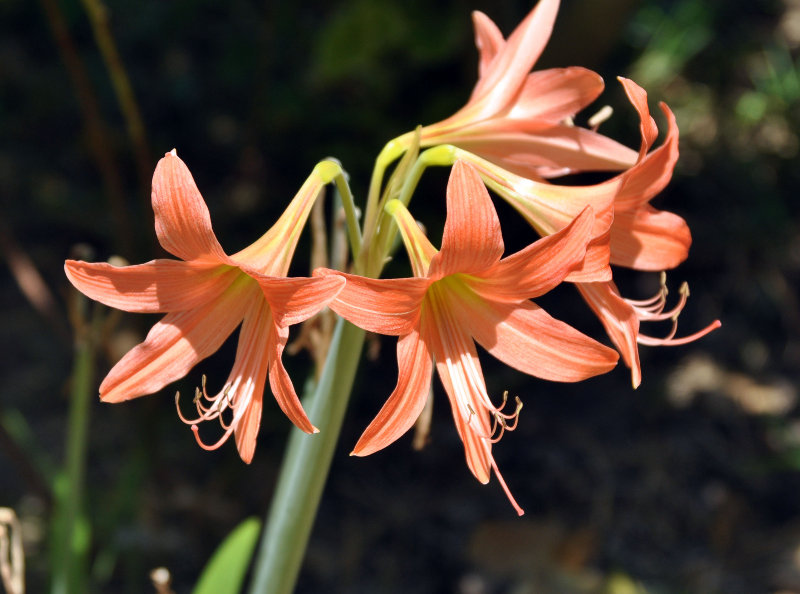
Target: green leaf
(225, 572)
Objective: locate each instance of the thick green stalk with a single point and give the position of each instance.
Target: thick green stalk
(305, 469)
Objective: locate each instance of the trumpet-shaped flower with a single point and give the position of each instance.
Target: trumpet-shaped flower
(465, 293)
(206, 295)
(521, 119)
(636, 236)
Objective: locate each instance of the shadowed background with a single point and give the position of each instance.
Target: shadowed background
(688, 484)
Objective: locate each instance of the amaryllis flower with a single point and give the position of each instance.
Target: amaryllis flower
(637, 236)
(206, 295)
(522, 120)
(464, 293)
(644, 238)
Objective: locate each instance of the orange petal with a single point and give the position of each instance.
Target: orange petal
(406, 402)
(183, 224)
(271, 254)
(539, 267)
(508, 69)
(527, 338)
(595, 267)
(296, 299)
(385, 306)
(472, 240)
(488, 39)
(550, 207)
(418, 247)
(460, 372)
(649, 239)
(477, 450)
(619, 320)
(154, 287)
(647, 125)
(281, 384)
(560, 149)
(246, 431)
(177, 343)
(555, 94)
(651, 175)
(245, 385)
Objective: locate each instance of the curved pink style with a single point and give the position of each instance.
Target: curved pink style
(463, 293)
(206, 295)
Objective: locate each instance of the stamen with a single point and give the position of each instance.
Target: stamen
(652, 310)
(471, 413)
(229, 428)
(501, 420)
(657, 301)
(218, 404)
(670, 341)
(601, 116)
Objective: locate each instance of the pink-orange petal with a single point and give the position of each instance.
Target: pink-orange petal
(555, 94)
(527, 338)
(246, 432)
(183, 224)
(539, 267)
(488, 39)
(595, 267)
(176, 344)
(401, 410)
(472, 240)
(271, 254)
(477, 448)
(294, 300)
(248, 377)
(620, 321)
(558, 149)
(281, 384)
(507, 71)
(649, 239)
(157, 286)
(647, 126)
(651, 175)
(385, 306)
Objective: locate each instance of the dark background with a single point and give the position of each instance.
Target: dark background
(688, 484)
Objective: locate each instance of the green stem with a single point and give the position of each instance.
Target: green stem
(442, 155)
(392, 150)
(71, 531)
(305, 469)
(353, 230)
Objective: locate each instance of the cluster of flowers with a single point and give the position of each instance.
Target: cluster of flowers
(514, 135)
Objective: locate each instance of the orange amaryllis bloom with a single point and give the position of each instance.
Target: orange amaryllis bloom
(206, 295)
(464, 293)
(521, 120)
(640, 237)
